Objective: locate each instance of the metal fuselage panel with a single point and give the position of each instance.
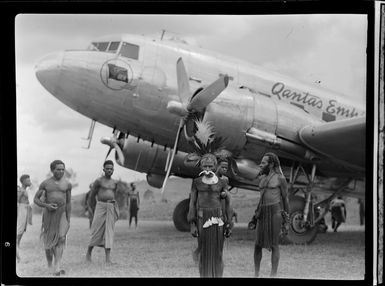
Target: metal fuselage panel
(253, 98)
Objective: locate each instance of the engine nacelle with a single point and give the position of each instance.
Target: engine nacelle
(151, 159)
(155, 180)
(247, 169)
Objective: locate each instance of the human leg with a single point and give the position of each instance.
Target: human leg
(58, 253)
(108, 255)
(136, 220)
(89, 252)
(274, 260)
(129, 223)
(337, 226)
(257, 259)
(18, 239)
(197, 251)
(49, 257)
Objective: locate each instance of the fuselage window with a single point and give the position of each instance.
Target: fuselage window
(130, 51)
(113, 47)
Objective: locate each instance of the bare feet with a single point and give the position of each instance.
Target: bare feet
(88, 257)
(109, 263)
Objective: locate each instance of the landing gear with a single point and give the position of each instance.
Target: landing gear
(302, 229)
(300, 232)
(180, 216)
(306, 219)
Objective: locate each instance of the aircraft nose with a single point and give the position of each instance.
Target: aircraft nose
(48, 69)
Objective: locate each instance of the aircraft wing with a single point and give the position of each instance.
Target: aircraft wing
(342, 140)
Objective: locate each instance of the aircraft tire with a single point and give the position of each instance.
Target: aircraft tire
(296, 234)
(180, 216)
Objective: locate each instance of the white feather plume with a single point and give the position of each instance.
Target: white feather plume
(205, 132)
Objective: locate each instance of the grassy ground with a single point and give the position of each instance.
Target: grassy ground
(157, 249)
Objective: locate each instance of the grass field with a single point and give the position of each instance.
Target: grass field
(157, 249)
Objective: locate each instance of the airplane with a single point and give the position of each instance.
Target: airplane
(151, 91)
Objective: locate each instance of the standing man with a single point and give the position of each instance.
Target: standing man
(362, 211)
(105, 210)
(134, 202)
(338, 211)
(206, 217)
(269, 213)
(24, 211)
(56, 214)
(225, 202)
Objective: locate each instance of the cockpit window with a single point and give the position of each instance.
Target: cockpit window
(102, 46)
(113, 47)
(130, 51)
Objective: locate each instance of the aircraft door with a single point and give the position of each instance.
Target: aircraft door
(150, 82)
(265, 119)
(265, 114)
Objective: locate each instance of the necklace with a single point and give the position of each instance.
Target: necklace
(210, 181)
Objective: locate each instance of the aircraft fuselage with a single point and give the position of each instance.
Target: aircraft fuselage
(130, 92)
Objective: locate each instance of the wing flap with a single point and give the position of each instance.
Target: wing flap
(343, 140)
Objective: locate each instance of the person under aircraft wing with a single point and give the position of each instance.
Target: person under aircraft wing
(343, 140)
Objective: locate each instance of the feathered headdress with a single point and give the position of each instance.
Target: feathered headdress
(204, 141)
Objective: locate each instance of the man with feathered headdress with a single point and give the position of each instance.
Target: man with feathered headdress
(208, 219)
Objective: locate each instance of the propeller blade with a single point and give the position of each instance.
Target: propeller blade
(183, 84)
(108, 153)
(113, 143)
(181, 123)
(207, 95)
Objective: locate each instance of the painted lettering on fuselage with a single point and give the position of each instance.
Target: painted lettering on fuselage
(330, 106)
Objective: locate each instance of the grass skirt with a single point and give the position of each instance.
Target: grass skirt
(211, 244)
(338, 214)
(269, 226)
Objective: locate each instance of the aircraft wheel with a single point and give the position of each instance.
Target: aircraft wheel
(298, 234)
(180, 215)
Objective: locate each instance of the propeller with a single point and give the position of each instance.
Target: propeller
(113, 143)
(188, 105)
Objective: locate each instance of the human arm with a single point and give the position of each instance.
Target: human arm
(68, 202)
(284, 194)
(37, 199)
(92, 196)
(138, 200)
(229, 214)
(192, 212)
(19, 193)
(228, 209)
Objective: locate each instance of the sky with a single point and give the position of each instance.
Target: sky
(330, 49)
